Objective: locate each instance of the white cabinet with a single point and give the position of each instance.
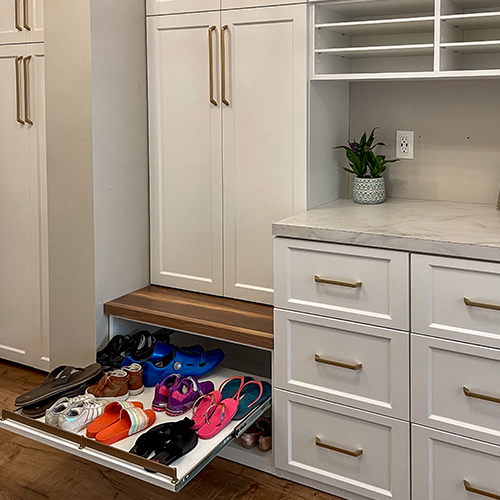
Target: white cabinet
(446, 466)
(326, 362)
(157, 7)
(345, 282)
(227, 108)
(363, 453)
(456, 299)
(21, 21)
(23, 245)
(185, 153)
(264, 137)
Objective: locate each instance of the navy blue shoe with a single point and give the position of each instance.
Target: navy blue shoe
(185, 362)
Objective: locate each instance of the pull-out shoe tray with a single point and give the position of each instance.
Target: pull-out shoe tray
(116, 456)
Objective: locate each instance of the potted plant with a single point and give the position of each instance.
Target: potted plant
(369, 186)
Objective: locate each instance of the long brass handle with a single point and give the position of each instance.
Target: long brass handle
(319, 359)
(16, 15)
(211, 64)
(484, 493)
(476, 395)
(18, 90)
(25, 7)
(223, 63)
(349, 284)
(471, 303)
(26, 91)
(351, 453)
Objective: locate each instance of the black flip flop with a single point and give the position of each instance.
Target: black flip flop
(146, 443)
(38, 410)
(180, 443)
(59, 380)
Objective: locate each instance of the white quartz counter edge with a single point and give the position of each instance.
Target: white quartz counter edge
(453, 229)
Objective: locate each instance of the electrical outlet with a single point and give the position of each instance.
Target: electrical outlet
(405, 145)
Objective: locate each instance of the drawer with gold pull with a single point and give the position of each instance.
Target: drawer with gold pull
(358, 365)
(456, 387)
(456, 299)
(365, 285)
(363, 453)
(450, 467)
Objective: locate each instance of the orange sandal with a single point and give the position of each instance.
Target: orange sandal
(132, 420)
(110, 416)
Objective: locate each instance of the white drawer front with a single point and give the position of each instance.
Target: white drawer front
(371, 370)
(380, 297)
(439, 287)
(442, 462)
(449, 380)
(381, 469)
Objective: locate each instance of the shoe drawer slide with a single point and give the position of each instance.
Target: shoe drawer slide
(116, 456)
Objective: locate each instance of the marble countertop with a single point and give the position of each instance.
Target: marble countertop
(436, 227)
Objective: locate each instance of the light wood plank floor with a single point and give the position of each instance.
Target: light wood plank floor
(33, 471)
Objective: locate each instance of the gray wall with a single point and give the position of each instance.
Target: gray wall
(97, 167)
(456, 124)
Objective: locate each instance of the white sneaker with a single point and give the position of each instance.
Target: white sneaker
(60, 406)
(80, 414)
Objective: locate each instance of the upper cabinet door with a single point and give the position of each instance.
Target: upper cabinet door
(241, 4)
(185, 152)
(33, 20)
(264, 140)
(11, 22)
(155, 7)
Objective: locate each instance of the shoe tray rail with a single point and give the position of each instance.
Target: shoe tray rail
(79, 444)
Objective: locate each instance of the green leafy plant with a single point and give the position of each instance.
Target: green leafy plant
(362, 160)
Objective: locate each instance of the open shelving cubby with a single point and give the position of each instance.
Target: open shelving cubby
(470, 36)
(354, 39)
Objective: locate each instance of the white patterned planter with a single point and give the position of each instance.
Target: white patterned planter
(368, 191)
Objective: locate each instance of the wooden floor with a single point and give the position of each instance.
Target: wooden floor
(33, 471)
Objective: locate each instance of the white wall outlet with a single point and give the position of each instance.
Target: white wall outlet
(405, 145)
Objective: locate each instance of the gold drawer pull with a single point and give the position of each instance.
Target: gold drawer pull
(471, 303)
(16, 15)
(356, 284)
(470, 488)
(356, 453)
(319, 359)
(476, 395)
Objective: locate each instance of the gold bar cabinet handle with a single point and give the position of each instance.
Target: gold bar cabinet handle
(470, 488)
(319, 359)
(223, 63)
(16, 15)
(476, 395)
(211, 64)
(482, 305)
(26, 91)
(356, 453)
(348, 284)
(18, 90)
(25, 6)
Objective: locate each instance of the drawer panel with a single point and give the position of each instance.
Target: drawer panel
(442, 462)
(380, 469)
(440, 286)
(373, 284)
(376, 377)
(442, 373)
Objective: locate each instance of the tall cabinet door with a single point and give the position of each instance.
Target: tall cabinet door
(11, 22)
(264, 140)
(185, 152)
(20, 215)
(33, 20)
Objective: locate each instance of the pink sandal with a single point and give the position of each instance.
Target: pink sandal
(201, 407)
(217, 417)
